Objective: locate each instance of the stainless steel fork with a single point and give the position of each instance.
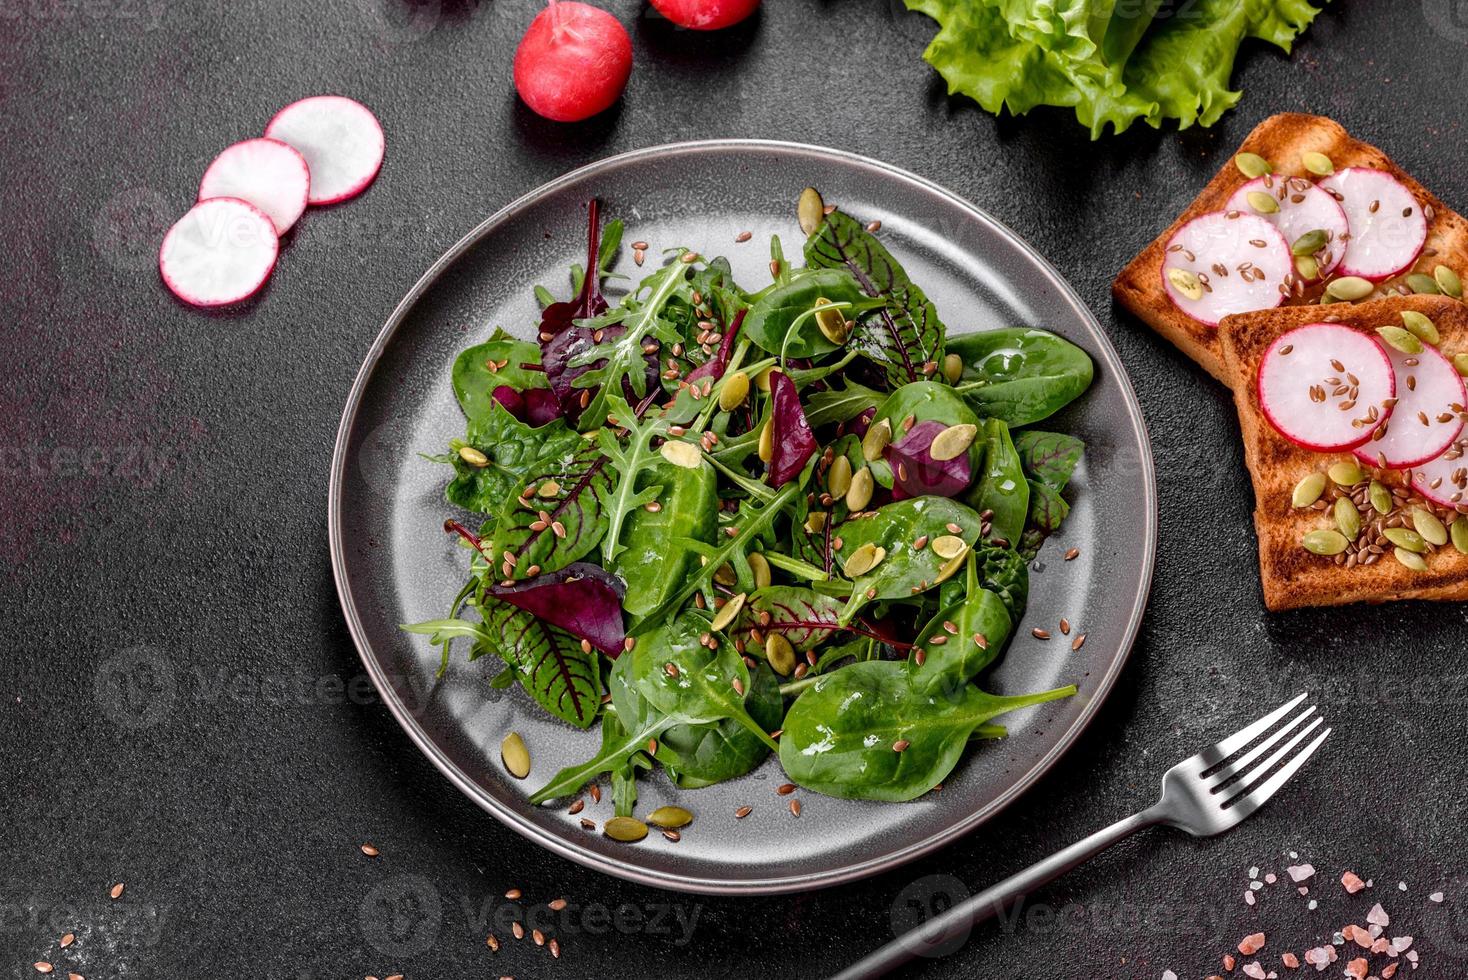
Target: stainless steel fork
(1204, 795)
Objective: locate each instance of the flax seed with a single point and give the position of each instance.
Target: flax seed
(743, 812)
(795, 808)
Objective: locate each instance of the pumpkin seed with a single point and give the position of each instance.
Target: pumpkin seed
(859, 494)
(1406, 539)
(1381, 497)
(1447, 280)
(1252, 165)
(1308, 490)
(670, 817)
(832, 322)
(1422, 326)
(1307, 267)
(1429, 526)
(767, 442)
(1185, 282)
(1420, 283)
(1347, 518)
(838, 478)
(1460, 361)
(948, 546)
(815, 522)
(1349, 288)
(761, 569)
(864, 559)
(1317, 163)
(1460, 535)
(473, 456)
(725, 575)
(1403, 340)
(730, 611)
(1310, 242)
(876, 441)
(1326, 543)
(953, 441)
(548, 489)
(1346, 473)
(515, 755)
(733, 391)
(952, 565)
(1262, 202)
(810, 210)
(953, 368)
(780, 654)
(1411, 559)
(684, 454)
(762, 380)
(628, 830)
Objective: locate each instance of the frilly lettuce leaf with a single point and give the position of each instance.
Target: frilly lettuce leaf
(1113, 61)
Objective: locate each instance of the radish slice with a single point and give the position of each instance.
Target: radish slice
(1444, 480)
(221, 252)
(267, 173)
(1388, 228)
(1226, 262)
(1303, 207)
(1318, 385)
(340, 139)
(1428, 415)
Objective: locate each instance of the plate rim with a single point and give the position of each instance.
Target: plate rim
(771, 885)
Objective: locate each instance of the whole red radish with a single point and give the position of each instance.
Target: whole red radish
(573, 61)
(705, 15)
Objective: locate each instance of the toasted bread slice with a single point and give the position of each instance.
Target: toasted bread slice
(1281, 140)
(1292, 576)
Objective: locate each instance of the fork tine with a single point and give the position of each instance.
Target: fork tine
(1253, 799)
(1244, 762)
(1215, 754)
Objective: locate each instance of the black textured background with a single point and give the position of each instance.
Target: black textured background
(181, 708)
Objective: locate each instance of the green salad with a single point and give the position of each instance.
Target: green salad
(723, 520)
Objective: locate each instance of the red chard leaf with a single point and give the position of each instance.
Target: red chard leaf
(714, 366)
(794, 443)
(915, 473)
(581, 599)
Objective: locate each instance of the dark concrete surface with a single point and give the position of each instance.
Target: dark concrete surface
(181, 708)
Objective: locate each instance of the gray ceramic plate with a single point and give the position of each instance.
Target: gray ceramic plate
(394, 564)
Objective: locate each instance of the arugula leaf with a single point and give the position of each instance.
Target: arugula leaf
(571, 490)
(904, 336)
(629, 459)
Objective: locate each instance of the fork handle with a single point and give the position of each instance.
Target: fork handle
(942, 931)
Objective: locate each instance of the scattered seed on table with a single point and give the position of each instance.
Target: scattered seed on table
(743, 812)
(117, 890)
(1040, 634)
(518, 930)
(43, 967)
(1078, 642)
(576, 807)
(1065, 626)
(744, 236)
(513, 894)
(673, 835)
(785, 789)
(595, 791)
(68, 939)
(1072, 554)
(538, 936)
(493, 943)
(795, 808)
(555, 949)
(555, 905)
(588, 824)
(370, 851)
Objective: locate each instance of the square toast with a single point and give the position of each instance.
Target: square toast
(1293, 577)
(1280, 139)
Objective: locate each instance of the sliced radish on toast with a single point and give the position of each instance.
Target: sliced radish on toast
(1428, 415)
(1388, 228)
(1444, 480)
(1300, 209)
(267, 173)
(340, 139)
(1226, 262)
(221, 252)
(1319, 385)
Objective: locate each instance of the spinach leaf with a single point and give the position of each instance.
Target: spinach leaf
(1001, 488)
(1047, 509)
(571, 489)
(839, 734)
(840, 404)
(1020, 375)
(904, 336)
(803, 616)
(690, 682)
(701, 755)
(511, 446)
(656, 557)
(1048, 457)
(772, 315)
(961, 640)
(1004, 572)
(478, 372)
(906, 570)
(923, 401)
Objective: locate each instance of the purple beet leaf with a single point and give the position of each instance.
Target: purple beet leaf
(581, 599)
(793, 442)
(714, 366)
(916, 473)
(541, 406)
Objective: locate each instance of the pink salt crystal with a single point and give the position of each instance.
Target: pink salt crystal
(1248, 898)
(1357, 968)
(1352, 883)
(1299, 872)
(1380, 946)
(1377, 916)
(1401, 943)
(1168, 975)
(1250, 945)
(1435, 897)
(1303, 890)
(1271, 878)
(1228, 961)
(1254, 970)
(1290, 960)
(1389, 971)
